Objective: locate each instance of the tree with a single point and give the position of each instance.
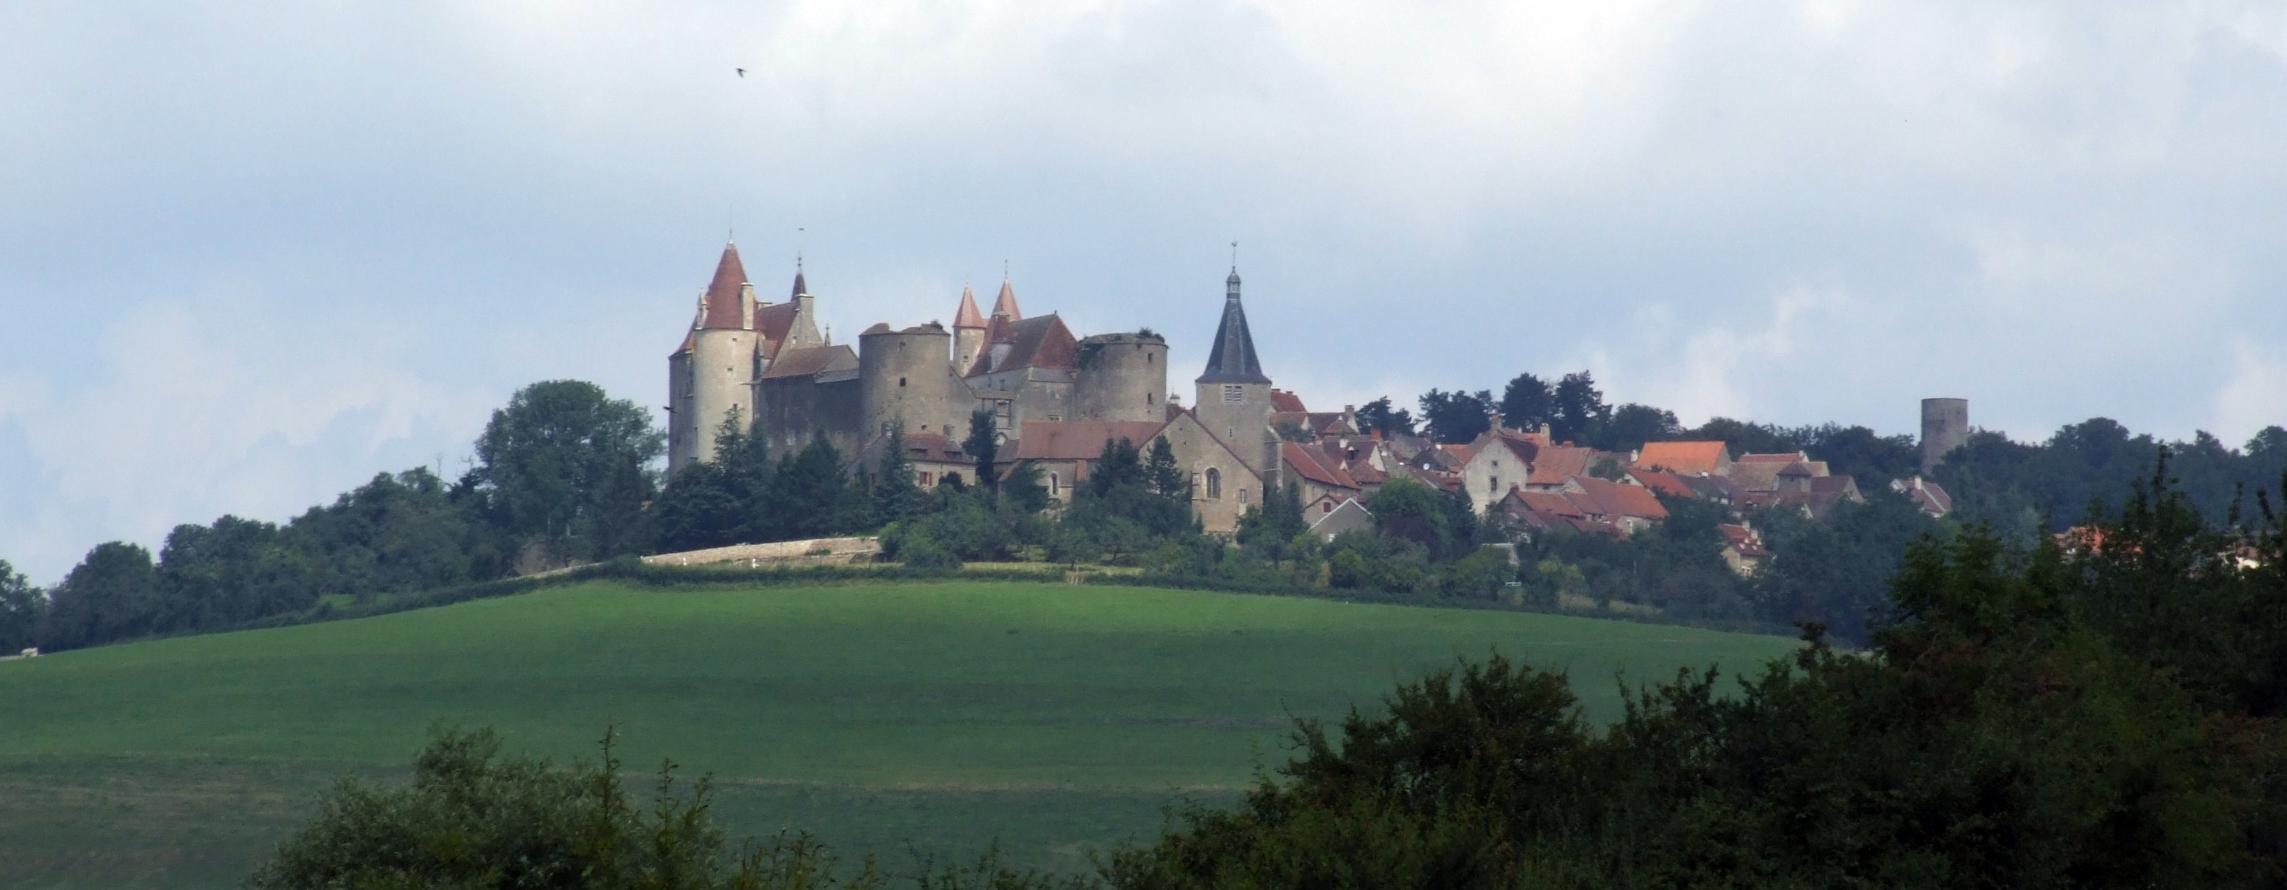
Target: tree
(112, 594)
(1165, 475)
(1379, 416)
(719, 503)
(1405, 508)
(1457, 417)
(1527, 403)
(1578, 410)
(545, 462)
(810, 494)
(234, 571)
(896, 496)
(1270, 528)
(984, 445)
(471, 817)
(1631, 425)
(22, 608)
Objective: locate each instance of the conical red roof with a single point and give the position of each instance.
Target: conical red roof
(1006, 303)
(725, 292)
(968, 317)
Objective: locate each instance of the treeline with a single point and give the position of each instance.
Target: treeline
(2034, 717)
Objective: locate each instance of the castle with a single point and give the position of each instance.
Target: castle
(1055, 399)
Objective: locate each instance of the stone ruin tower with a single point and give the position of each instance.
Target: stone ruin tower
(1945, 427)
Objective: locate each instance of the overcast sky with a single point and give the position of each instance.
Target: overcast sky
(253, 253)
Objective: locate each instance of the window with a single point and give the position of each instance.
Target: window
(1493, 485)
(924, 480)
(1234, 394)
(1055, 485)
(1214, 484)
(1242, 496)
(901, 381)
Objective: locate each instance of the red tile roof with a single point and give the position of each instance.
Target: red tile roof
(1312, 466)
(968, 317)
(1004, 306)
(1608, 498)
(725, 292)
(1687, 458)
(1785, 457)
(1550, 502)
(1557, 463)
(1281, 400)
(1080, 439)
(1663, 482)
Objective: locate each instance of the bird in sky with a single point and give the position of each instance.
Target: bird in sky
(741, 71)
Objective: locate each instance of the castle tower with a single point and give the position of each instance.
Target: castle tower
(1000, 330)
(1234, 397)
(903, 379)
(968, 332)
(1121, 377)
(714, 371)
(1945, 427)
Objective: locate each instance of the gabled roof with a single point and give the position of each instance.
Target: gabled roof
(1557, 463)
(1232, 358)
(1281, 400)
(1663, 482)
(806, 361)
(1782, 457)
(1042, 342)
(1312, 466)
(1683, 458)
(1608, 498)
(1080, 439)
(968, 316)
(776, 321)
(933, 447)
(1550, 502)
(725, 292)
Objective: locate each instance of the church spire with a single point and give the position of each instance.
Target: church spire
(1232, 360)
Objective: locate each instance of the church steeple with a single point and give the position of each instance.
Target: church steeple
(1232, 358)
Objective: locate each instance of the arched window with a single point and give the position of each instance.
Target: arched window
(1214, 484)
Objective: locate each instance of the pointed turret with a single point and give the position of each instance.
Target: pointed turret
(1005, 304)
(968, 316)
(725, 295)
(968, 333)
(1232, 358)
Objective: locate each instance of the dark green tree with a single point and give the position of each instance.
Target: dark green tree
(1270, 528)
(810, 494)
(1405, 508)
(984, 447)
(22, 609)
(231, 572)
(1379, 415)
(113, 594)
(1527, 403)
(1631, 425)
(1579, 409)
(1457, 417)
(545, 462)
(1164, 474)
(474, 818)
(896, 496)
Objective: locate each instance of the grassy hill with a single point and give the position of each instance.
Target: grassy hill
(893, 719)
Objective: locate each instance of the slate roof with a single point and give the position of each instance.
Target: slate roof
(810, 360)
(1232, 358)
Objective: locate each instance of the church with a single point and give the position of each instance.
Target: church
(1055, 398)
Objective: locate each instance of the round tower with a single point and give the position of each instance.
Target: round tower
(1945, 427)
(1121, 377)
(722, 378)
(968, 333)
(906, 376)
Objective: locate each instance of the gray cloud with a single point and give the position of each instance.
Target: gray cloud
(253, 255)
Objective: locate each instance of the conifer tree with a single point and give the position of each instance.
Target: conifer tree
(895, 496)
(984, 445)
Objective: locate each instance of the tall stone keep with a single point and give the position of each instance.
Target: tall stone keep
(713, 372)
(1121, 377)
(1945, 427)
(1234, 396)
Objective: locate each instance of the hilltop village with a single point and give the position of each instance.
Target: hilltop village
(1056, 399)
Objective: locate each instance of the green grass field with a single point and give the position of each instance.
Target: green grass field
(889, 719)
